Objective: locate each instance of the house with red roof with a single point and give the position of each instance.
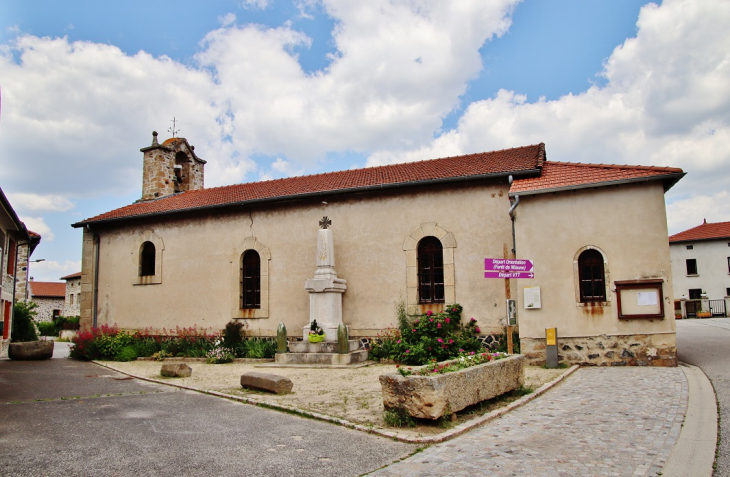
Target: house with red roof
(579, 247)
(17, 244)
(73, 294)
(49, 296)
(701, 267)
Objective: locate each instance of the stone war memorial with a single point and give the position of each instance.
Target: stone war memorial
(325, 308)
(418, 234)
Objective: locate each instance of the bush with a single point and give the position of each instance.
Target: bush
(431, 336)
(127, 353)
(233, 334)
(258, 348)
(23, 327)
(47, 328)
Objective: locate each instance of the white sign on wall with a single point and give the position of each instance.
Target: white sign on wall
(532, 298)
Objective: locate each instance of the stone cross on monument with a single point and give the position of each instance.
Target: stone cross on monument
(325, 289)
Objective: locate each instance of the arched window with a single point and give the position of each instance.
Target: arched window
(430, 271)
(147, 259)
(250, 279)
(591, 276)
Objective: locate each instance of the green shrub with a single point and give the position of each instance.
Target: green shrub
(47, 328)
(258, 348)
(144, 346)
(233, 334)
(431, 336)
(23, 327)
(127, 353)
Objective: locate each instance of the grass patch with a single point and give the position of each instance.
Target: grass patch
(398, 418)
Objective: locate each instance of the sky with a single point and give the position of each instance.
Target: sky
(267, 89)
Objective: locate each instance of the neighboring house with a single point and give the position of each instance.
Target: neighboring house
(701, 264)
(73, 294)
(16, 246)
(417, 233)
(49, 296)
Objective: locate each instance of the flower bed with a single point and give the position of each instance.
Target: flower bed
(433, 396)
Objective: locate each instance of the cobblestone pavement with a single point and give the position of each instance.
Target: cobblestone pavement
(600, 421)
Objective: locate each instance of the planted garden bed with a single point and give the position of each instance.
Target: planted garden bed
(435, 395)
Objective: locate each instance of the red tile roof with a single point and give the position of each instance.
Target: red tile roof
(73, 275)
(706, 231)
(520, 160)
(558, 176)
(47, 289)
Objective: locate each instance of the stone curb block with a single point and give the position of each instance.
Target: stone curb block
(444, 436)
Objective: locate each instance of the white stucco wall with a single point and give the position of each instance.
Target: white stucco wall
(198, 259)
(713, 276)
(627, 223)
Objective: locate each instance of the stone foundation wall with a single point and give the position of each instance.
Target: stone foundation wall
(606, 350)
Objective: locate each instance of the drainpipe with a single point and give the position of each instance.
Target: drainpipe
(511, 212)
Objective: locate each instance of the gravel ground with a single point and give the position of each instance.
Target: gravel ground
(352, 394)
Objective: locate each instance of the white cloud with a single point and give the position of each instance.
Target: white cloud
(256, 4)
(38, 225)
(685, 213)
(52, 271)
(666, 102)
(37, 202)
(78, 112)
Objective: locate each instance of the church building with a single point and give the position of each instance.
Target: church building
(578, 247)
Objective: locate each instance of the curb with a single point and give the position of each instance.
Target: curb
(444, 436)
(694, 451)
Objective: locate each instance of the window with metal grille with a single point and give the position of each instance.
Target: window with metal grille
(250, 280)
(591, 276)
(695, 293)
(430, 271)
(147, 259)
(691, 266)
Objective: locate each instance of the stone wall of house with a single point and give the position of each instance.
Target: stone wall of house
(44, 312)
(73, 288)
(21, 275)
(606, 350)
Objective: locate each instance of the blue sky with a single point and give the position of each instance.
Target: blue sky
(269, 89)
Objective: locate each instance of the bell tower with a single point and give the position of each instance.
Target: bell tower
(170, 167)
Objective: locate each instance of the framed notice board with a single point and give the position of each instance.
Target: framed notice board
(640, 299)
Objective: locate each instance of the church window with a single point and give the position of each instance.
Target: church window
(250, 280)
(147, 259)
(430, 271)
(591, 276)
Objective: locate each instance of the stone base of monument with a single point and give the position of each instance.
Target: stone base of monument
(324, 353)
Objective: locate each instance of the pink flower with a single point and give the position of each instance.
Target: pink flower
(453, 309)
(414, 330)
(447, 320)
(471, 352)
(477, 330)
(440, 340)
(451, 341)
(416, 321)
(429, 313)
(438, 326)
(398, 341)
(472, 320)
(461, 350)
(408, 351)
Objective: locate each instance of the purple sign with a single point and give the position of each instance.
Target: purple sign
(507, 265)
(493, 274)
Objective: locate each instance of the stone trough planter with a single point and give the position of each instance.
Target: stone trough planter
(30, 350)
(430, 397)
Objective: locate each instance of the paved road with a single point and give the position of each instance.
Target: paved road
(599, 422)
(64, 417)
(706, 343)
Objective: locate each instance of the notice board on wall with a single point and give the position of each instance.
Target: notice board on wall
(639, 299)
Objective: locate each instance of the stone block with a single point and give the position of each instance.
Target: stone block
(430, 397)
(267, 382)
(176, 370)
(30, 350)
